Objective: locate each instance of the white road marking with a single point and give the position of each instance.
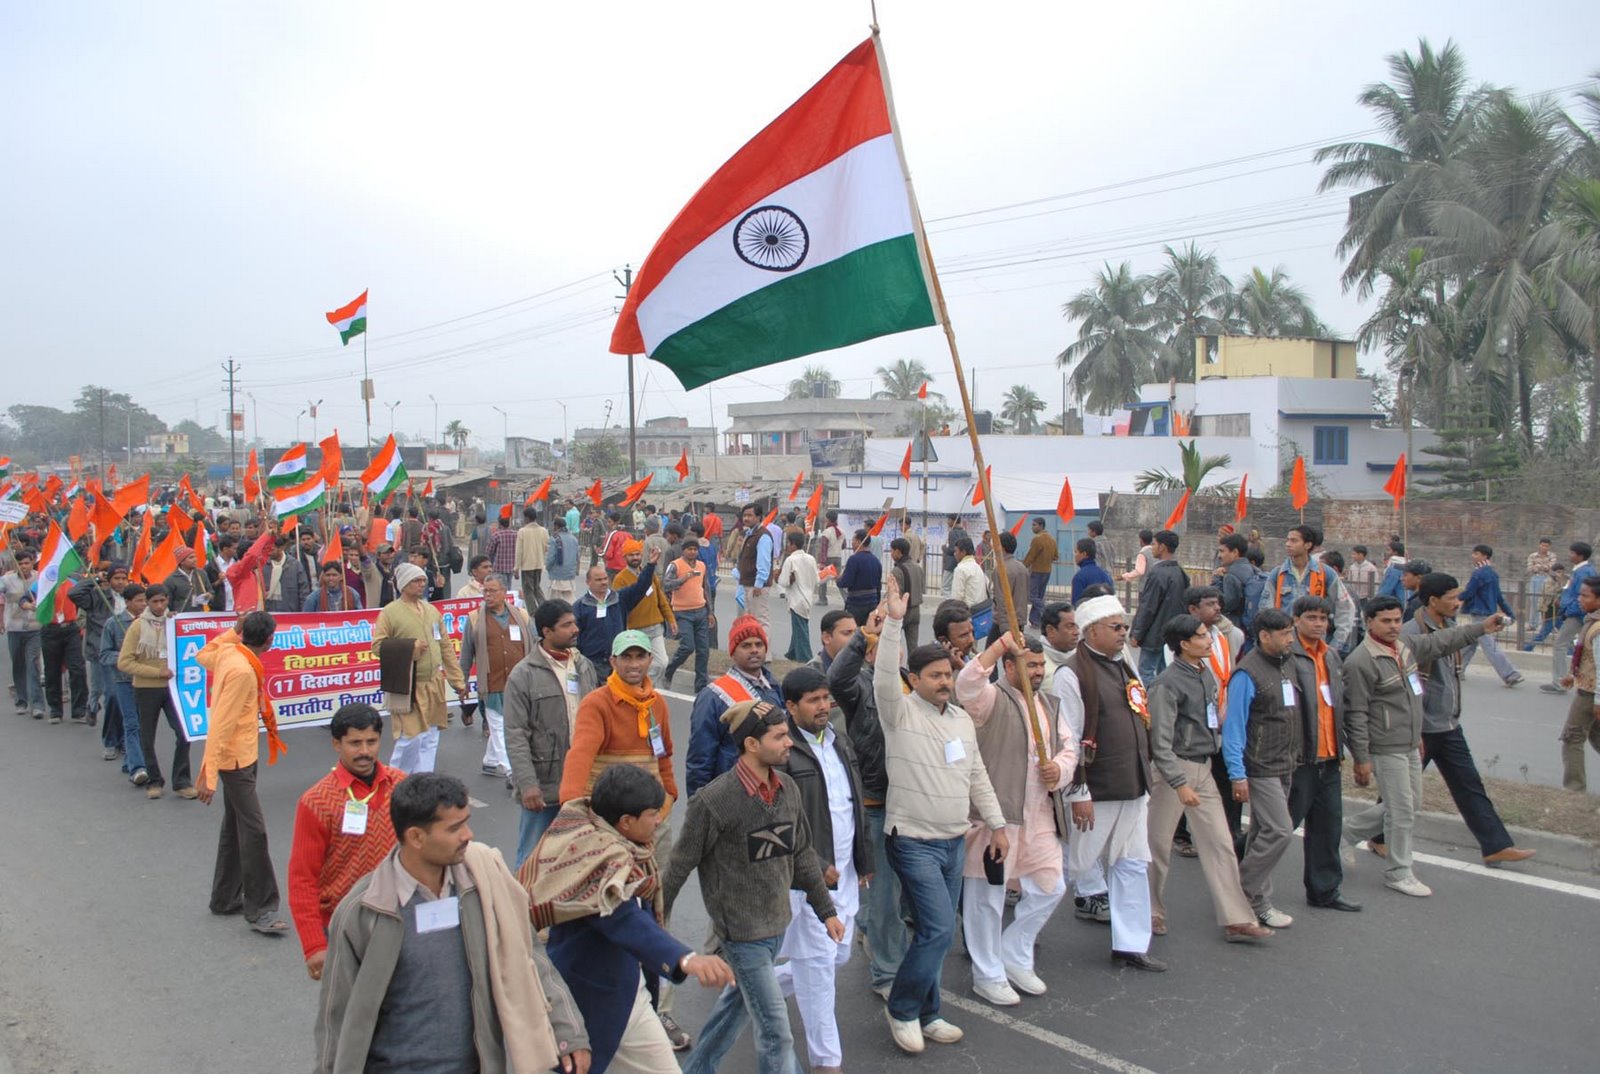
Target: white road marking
(475, 804)
(1044, 1036)
(676, 695)
(1475, 869)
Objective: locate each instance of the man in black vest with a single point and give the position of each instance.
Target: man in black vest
(1110, 792)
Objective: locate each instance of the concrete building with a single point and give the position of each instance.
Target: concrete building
(657, 439)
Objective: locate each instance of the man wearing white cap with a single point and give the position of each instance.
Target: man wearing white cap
(433, 658)
(1110, 792)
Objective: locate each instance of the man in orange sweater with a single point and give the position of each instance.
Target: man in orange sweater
(342, 828)
(244, 878)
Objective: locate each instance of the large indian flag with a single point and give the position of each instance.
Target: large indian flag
(386, 471)
(58, 562)
(350, 320)
(290, 469)
(298, 499)
(806, 240)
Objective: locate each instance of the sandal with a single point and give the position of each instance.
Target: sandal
(270, 925)
(1158, 925)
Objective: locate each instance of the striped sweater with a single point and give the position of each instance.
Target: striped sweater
(324, 863)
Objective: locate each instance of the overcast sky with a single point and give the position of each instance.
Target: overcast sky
(190, 181)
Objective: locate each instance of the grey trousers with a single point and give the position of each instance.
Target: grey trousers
(1561, 648)
(1491, 650)
(1269, 836)
(1399, 778)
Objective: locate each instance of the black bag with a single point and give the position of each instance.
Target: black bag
(452, 558)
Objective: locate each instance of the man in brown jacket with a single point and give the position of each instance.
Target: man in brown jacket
(1040, 561)
(498, 635)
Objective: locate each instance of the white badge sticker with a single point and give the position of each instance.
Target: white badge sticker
(1416, 683)
(1327, 694)
(438, 915)
(599, 611)
(955, 751)
(1288, 692)
(516, 631)
(572, 685)
(436, 632)
(355, 818)
(658, 745)
(1211, 715)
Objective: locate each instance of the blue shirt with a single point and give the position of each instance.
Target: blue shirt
(1482, 596)
(1089, 573)
(1241, 692)
(1569, 595)
(1390, 586)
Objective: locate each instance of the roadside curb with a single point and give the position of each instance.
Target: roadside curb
(1562, 851)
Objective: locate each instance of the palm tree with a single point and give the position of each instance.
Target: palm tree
(1579, 209)
(903, 380)
(1272, 306)
(1021, 408)
(1429, 114)
(1193, 298)
(816, 382)
(457, 433)
(1117, 345)
(1192, 475)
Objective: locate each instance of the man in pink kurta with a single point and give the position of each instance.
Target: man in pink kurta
(1002, 959)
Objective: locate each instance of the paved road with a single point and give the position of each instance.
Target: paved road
(110, 962)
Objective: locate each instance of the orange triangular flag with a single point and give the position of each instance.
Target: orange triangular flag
(332, 459)
(1017, 529)
(427, 490)
(922, 392)
(1241, 506)
(105, 521)
(133, 494)
(977, 489)
(164, 560)
(1179, 511)
(595, 495)
(1064, 508)
(905, 464)
(78, 520)
(877, 527)
(682, 465)
(540, 493)
(1396, 485)
(794, 490)
(333, 551)
(636, 490)
(771, 515)
(1298, 493)
(187, 489)
(252, 476)
(141, 550)
(814, 505)
(200, 546)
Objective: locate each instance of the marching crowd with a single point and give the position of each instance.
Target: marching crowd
(889, 785)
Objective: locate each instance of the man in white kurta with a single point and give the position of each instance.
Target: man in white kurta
(1002, 959)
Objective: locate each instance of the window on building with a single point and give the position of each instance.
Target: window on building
(891, 482)
(852, 481)
(1330, 445)
(930, 484)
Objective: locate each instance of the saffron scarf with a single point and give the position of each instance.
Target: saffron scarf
(275, 746)
(641, 699)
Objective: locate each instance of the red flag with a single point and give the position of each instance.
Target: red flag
(594, 492)
(794, 490)
(814, 505)
(1017, 529)
(1179, 511)
(905, 464)
(1396, 485)
(877, 527)
(252, 477)
(78, 520)
(922, 392)
(682, 465)
(1064, 508)
(1241, 506)
(133, 494)
(977, 490)
(1298, 493)
(540, 493)
(771, 515)
(636, 490)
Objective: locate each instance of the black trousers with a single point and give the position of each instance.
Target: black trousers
(1316, 799)
(153, 701)
(1448, 752)
(62, 646)
(244, 878)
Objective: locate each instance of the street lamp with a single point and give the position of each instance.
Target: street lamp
(435, 403)
(505, 431)
(312, 407)
(391, 407)
(297, 418)
(255, 417)
(566, 448)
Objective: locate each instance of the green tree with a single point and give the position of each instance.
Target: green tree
(1117, 344)
(457, 433)
(1192, 474)
(201, 439)
(1022, 407)
(816, 382)
(903, 380)
(1193, 298)
(1470, 447)
(599, 457)
(1269, 305)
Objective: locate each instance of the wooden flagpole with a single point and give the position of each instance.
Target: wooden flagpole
(941, 311)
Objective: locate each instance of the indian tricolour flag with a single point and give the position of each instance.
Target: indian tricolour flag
(806, 240)
(350, 320)
(58, 562)
(298, 499)
(290, 469)
(386, 472)
(5, 465)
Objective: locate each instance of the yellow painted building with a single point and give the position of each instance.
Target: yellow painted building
(1274, 356)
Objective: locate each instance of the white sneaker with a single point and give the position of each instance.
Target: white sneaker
(907, 1035)
(997, 992)
(941, 1032)
(1025, 981)
(1274, 918)
(1410, 886)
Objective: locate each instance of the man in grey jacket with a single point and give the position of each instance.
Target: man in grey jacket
(1160, 602)
(541, 697)
(1383, 717)
(561, 561)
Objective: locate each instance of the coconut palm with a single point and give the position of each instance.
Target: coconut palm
(457, 433)
(1191, 476)
(903, 380)
(1117, 344)
(1193, 298)
(816, 382)
(1269, 305)
(1021, 407)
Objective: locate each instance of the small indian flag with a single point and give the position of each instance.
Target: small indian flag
(350, 320)
(806, 240)
(58, 562)
(386, 473)
(5, 465)
(290, 469)
(299, 499)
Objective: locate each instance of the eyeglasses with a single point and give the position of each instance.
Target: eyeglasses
(1120, 628)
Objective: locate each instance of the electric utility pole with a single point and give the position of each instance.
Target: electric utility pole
(232, 369)
(625, 281)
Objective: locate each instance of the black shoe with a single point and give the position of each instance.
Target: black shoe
(1338, 902)
(1139, 962)
(1093, 908)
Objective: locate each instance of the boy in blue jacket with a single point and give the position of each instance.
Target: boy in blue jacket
(593, 882)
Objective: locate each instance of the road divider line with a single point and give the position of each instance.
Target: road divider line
(1044, 1036)
(676, 695)
(1561, 886)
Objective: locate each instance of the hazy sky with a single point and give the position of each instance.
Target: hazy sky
(190, 181)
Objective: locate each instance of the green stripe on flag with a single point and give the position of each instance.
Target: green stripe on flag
(396, 479)
(357, 326)
(874, 291)
(45, 609)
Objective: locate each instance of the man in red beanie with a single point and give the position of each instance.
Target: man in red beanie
(711, 748)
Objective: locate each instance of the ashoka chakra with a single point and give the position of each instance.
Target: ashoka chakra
(771, 237)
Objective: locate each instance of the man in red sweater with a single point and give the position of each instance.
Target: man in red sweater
(342, 829)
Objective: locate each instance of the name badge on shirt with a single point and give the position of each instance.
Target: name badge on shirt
(1416, 683)
(1211, 715)
(599, 611)
(1327, 695)
(572, 686)
(438, 915)
(955, 751)
(658, 745)
(1288, 693)
(436, 632)
(355, 818)
(516, 631)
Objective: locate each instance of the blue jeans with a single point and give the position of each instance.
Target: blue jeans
(1152, 658)
(1037, 581)
(930, 883)
(25, 673)
(755, 994)
(880, 917)
(530, 828)
(132, 745)
(694, 638)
